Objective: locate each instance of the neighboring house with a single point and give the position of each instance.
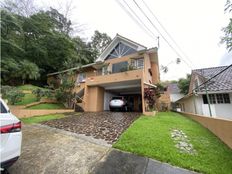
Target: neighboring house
(219, 91)
(124, 68)
(174, 93)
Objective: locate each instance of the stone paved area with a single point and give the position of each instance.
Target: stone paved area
(101, 125)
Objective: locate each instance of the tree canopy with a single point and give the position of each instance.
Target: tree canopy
(42, 40)
(183, 84)
(227, 38)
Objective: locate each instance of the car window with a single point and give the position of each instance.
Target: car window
(117, 98)
(3, 109)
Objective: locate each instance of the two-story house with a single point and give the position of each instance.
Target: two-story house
(124, 68)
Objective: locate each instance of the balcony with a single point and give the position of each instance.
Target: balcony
(116, 77)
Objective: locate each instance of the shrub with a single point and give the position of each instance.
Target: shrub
(12, 94)
(39, 93)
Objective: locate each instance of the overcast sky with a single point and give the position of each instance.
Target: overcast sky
(194, 24)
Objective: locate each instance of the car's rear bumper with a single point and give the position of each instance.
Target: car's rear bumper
(9, 162)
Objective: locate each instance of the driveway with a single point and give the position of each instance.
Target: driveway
(47, 150)
(107, 126)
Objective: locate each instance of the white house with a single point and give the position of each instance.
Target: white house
(174, 93)
(219, 90)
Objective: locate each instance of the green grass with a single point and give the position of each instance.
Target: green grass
(38, 119)
(150, 136)
(27, 99)
(47, 106)
(28, 87)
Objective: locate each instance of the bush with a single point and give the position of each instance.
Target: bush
(12, 94)
(39, 93)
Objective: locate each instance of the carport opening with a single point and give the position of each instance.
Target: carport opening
(131, 91)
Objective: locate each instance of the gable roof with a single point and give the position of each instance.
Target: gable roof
(222, 82)
(117, 39)
(173, 88)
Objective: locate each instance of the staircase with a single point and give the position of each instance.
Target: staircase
(79, 91)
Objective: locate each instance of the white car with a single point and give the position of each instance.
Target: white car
(10, 137)
(118, 103)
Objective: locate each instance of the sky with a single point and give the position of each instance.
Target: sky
(195, 25)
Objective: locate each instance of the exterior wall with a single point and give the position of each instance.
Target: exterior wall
(94, 99)
(154, 67)
(164, 102)
(221, 128)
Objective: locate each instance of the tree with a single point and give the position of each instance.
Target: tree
(99, 42)
(20, 7)
(28, 70)
(227, 38)
(183, 84)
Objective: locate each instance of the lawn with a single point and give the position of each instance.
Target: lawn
(151, 137)
(38, 119)
(47, 106)
(28, 87)
(27, 99)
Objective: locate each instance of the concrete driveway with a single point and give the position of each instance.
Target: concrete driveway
(48, 150)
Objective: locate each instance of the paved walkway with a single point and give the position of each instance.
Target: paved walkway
(50, 150)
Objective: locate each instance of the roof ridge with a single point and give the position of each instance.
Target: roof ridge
(211, 67)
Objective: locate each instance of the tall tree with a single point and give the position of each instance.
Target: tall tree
(28, 70)
(227, 38)
(99, 42)
(183, 84)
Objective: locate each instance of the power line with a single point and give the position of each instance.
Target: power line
(135, 20)
(169, 35)
(139, 18)
(160, 33)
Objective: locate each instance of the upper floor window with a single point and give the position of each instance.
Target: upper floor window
(216, 98)
(105, 70)
(138, 63)
(120, 67)
(120, 50)
(81, 77)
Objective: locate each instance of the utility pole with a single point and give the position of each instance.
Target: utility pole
(207, 96)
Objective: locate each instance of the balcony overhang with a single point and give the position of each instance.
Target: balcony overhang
(117, 77)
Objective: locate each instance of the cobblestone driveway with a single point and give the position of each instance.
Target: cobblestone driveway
(101, 125)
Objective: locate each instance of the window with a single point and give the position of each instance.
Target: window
(120, 50)
(104, 70)
(119, 67)
(196, 83)
(138, 63)
(82, 77)
(3, 109)
(216, 98)
(226, 98)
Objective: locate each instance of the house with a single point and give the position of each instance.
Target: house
(174, 94)
(124, 68)
(219, 89)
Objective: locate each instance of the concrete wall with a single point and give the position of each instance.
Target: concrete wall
(175, 97)
(220, 127)
(94, 99)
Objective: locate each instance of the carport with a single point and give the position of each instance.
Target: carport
(130, 90)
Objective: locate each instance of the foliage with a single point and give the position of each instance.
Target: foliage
(27, 99)
(40, 93)
(12, 94)
(151, 137)
(41, 118)
(149, 96)
(64, 93)
(99, 42)
(227, 38)
(28, 70)
(183, 84)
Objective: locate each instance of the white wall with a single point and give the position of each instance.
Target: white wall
(224, 110)
(107, 98)
(175, 97)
